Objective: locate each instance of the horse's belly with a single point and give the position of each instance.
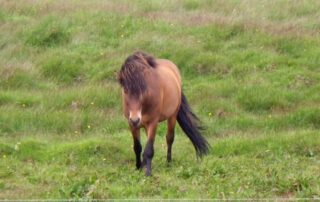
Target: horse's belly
(170, 101)
(171, 88)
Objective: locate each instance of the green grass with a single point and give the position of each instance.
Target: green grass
(250, 70)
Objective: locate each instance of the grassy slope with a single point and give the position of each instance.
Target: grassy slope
(250, 70)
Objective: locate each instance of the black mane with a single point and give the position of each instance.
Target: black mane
(131, 76)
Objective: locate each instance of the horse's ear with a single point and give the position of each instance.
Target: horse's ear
(119, 77)
(150, 60)
(121, 82)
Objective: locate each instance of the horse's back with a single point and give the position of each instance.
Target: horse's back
(168, 65)
(171, 87)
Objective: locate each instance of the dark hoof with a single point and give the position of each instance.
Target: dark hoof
(148, 173)
(138, 166)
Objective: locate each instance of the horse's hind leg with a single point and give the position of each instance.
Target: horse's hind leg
(170, 135)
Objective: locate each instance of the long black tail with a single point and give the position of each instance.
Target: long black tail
(190, 125)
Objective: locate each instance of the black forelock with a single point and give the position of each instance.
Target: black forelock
(131, 75)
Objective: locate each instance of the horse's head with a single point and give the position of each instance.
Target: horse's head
(133, 108)
(133, 80)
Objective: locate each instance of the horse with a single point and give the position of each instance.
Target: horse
(152, 93)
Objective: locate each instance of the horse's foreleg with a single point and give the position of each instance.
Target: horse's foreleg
(170, 135)
(148, 150)
(137, 146)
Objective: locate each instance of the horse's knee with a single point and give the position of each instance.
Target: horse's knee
(137, 148)
(148, 154)
(148, 151)
(170, 139)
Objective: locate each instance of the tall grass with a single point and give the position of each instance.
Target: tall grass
(249, 68)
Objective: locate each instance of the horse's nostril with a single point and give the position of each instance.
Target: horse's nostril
(135, 122)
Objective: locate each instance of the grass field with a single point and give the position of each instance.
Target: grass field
(250, 69)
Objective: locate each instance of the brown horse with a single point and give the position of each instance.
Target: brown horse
(151, 92)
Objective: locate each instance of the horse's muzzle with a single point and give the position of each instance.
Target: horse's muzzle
(135, 122)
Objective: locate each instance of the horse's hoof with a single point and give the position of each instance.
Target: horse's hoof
(138, 166)
(148, 173)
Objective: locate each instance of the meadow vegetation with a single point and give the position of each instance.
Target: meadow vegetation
(250, 69)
